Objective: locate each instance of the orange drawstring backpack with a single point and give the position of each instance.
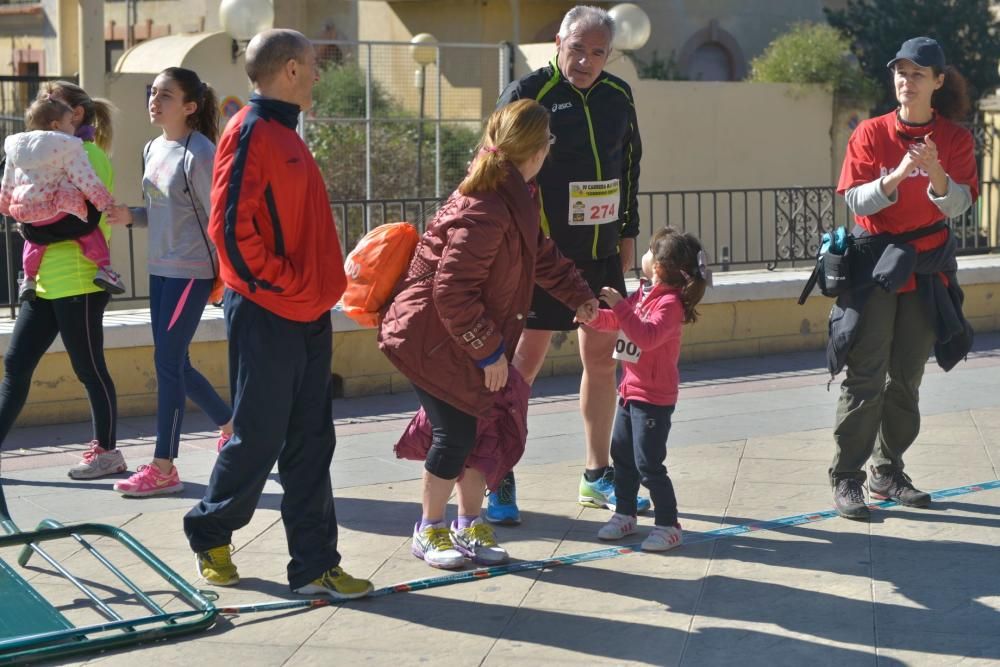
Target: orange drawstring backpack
(374, 269)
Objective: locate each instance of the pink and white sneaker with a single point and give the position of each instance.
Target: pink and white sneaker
(98, 462)
(109, 280)
(224, 439)
(663, 538)
(149, 481)
(617, 527)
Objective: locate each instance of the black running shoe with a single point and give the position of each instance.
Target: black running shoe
(849, 500)
(891, 483)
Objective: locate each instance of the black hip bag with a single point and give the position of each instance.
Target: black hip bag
(835, 273)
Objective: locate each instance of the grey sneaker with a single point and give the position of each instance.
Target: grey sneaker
(26, 289)
(849, 500)
(479, 543)
(109, 280)
(892, 483)
(98, 462)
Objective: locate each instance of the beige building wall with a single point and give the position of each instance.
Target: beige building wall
(51, 26)
(708, 135)
(679, 26)
(315, 18)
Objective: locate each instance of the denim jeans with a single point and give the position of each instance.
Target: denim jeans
(638, 450)
(175, 308)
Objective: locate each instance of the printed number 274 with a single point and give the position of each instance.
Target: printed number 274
(602, 211)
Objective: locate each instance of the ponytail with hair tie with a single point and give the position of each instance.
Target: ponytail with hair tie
(514, 134)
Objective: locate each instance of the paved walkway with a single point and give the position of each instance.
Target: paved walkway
(751, 442)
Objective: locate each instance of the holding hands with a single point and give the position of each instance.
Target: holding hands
(610, 296)
(119, 214)
(587, 312)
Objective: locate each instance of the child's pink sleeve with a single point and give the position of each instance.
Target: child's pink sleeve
(6, 188)
(663, 324)
(605, 321)
(82, 175)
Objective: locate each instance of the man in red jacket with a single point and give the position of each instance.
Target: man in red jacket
(283, 269)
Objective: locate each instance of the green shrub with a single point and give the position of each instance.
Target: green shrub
(817, 54)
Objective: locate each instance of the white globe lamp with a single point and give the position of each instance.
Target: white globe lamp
(632, 26)
(423, 48)
(243, 19)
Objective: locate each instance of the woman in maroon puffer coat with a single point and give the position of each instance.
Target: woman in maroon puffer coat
(454, 326)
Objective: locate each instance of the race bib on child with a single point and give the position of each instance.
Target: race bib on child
(625, 349)
(593, 202)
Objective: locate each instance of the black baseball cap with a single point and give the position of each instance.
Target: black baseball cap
(924, 51)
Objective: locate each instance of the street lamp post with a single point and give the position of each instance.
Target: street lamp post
(423, 50)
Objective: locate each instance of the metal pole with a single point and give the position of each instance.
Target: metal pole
(368, 134)
(422, 87)
(12, 286)
(506, 65)
(437, 131)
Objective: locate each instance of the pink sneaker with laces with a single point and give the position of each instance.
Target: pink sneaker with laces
(149, 481)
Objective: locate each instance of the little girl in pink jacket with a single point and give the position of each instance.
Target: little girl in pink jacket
(649, 343)
(47, 177)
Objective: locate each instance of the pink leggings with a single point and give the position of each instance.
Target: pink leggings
(93, 245)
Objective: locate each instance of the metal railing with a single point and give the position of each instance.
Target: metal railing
(13, 244)
(16, 95)
(390, 120)
(740, 229)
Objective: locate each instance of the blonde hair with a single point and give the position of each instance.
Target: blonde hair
(96, 112)
(514, 134)
(43, 112)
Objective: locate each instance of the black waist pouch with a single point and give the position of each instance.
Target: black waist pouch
(834, 272)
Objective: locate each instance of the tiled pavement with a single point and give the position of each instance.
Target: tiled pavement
(751, 442)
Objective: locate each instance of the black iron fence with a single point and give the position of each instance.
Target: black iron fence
(744, 228)
(134, 274)
(740, 229)
(16, 95)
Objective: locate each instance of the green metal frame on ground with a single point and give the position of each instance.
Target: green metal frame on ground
(31, 628)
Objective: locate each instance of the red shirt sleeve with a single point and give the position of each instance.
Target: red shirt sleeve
(962, 165)
(859, 162)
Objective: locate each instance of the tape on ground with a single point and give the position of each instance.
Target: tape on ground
(590, 556)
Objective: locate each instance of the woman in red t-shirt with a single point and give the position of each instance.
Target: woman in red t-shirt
(904, 171)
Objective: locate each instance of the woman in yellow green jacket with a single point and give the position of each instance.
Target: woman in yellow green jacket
(69, 304)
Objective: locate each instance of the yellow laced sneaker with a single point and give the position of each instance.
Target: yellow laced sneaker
(216, 566)
(337, 584)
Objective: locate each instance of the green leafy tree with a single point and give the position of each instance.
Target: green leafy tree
(817, 54)
(967, 30)
(337, 139)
